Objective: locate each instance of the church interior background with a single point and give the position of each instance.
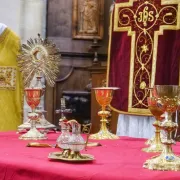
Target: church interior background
(83, 66)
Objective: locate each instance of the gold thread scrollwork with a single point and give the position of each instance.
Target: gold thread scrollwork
(8, 77)
(144, 26)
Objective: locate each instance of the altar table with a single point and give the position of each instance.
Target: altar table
(115, 160)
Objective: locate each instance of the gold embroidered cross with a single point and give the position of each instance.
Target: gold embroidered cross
(144, 21)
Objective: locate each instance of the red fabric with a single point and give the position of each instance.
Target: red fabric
(168, 57)
(115, 160)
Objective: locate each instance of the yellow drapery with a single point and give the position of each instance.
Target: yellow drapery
(11, 84)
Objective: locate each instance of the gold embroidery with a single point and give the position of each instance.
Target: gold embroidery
(7, 78)
(145, 18)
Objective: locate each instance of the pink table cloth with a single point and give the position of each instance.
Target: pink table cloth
(115, 160)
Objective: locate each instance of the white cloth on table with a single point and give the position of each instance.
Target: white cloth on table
(135, 126)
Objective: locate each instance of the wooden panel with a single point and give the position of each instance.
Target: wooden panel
(72, 78)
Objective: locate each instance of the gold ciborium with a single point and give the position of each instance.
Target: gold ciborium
(168, 100)
(156, 145)
(104, 96)
(33, 96)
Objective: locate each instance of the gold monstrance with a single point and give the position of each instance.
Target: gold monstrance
(104, 96)
(38, 58)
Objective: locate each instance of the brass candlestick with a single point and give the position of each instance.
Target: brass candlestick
(156, 145)
(168, 101)
(94, 48)
(104, 96)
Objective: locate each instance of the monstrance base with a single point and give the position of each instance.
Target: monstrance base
(155, 147)
(33, 134)
(41, 124)
(103, 135)
(163, 162)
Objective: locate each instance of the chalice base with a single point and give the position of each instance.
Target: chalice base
(154, 147)
(33, 134)
(164, 162)
(103, 134)
(41, 123)
(150, 141)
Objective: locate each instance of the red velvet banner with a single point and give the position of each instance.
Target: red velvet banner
(144, 50)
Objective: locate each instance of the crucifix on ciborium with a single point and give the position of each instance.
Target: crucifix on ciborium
(38, 58)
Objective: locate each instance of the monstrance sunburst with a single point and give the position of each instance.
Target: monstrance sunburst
(39, 56)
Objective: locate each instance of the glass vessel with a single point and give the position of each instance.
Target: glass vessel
(63, 139)
(76, 141)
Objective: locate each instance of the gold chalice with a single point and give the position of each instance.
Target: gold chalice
(168, 100)
(104, 96)
(156, 145)
(33, 96)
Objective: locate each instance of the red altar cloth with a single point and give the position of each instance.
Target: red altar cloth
(115, 160)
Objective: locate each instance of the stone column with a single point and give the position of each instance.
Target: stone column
(10, 13)
(33, 21)
(33, 18)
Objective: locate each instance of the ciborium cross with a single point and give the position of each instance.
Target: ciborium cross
(144, 21)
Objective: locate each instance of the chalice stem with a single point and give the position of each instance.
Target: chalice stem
(168, 149)
(169, 116)
(103, 119)
(103, 125)
(157, 135)
(33, 124)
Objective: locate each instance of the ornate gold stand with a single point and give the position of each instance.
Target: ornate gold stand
(156, 145)
(150, 141)
(167, 160)
(104, 96)
(104, 132)
(168, 100)
(73, 157)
